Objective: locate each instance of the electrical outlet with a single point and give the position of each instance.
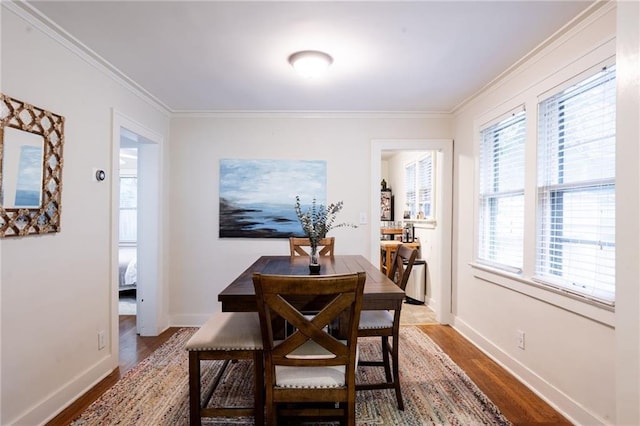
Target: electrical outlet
(101, 340)
(520, 334)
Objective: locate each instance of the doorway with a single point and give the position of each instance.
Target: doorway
(440, 290)
(139, 215)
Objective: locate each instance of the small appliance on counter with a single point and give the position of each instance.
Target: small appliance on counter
(408, 233)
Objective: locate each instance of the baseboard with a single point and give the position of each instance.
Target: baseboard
(57, 401)
(560, 401)
(188, 320)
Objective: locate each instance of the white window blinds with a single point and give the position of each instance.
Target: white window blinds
(501, 192)
(575, 244)
(410, 189)
(425, 185)
(418, 182)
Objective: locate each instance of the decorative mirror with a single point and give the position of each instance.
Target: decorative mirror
(31, 141)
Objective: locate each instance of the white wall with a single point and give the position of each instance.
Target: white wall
(57, 289)
(569, 357)
(203, 264)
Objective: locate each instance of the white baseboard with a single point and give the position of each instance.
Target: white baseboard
(560, 401)
(57, 401)
(188, 320)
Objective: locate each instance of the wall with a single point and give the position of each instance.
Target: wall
(570, 346)
(203, 264)
(57, 289)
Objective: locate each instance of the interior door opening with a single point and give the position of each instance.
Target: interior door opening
(435, 235)
(135, 233)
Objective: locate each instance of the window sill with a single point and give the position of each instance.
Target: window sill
(593, 310)
(422, 223)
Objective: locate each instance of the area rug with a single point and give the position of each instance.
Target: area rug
(435, 390)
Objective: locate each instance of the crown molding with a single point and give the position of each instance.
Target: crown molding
(415, 115)
(41, 22)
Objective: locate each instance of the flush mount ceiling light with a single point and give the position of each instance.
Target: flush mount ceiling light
(310, 63)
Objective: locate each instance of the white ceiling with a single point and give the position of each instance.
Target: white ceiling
(422, 56)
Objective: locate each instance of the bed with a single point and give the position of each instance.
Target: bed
(127, 268)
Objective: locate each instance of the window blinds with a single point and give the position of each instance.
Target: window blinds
(410, 188)
(425, 185)
(575, 241)
(501, 192)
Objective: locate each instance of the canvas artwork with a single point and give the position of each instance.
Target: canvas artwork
(257, 197)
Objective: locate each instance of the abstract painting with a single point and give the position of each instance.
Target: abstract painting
(257, 197)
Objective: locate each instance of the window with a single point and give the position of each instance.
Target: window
(501, 193)
(575, 241)
(418, 183)
(128, 209)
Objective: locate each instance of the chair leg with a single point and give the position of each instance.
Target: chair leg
(396, 372)
(351, 413)
(194, 389)
(385, 358)
(258, 368)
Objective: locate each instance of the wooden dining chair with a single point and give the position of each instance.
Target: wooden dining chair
(226, 336)
(386, 324)
(297, 246)
(310, 373)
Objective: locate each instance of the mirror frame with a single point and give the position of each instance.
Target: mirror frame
(20, 115)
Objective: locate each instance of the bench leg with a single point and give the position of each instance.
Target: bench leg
(194, 389)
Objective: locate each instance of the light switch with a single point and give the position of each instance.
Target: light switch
(363, 218)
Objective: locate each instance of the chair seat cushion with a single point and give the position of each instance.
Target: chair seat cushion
(310, 377)
(228, 331)
(370, 320)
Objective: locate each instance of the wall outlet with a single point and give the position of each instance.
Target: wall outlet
(102, 340)
(520, 335)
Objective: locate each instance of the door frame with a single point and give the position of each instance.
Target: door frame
(149, 286)
(443, 292)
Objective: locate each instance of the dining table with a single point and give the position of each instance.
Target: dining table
(380, 292)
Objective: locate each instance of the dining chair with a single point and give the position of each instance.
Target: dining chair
(386, 324)
(309, 373)
(226, 336)
(297, 246)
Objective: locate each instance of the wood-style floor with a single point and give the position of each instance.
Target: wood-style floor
(520, 405)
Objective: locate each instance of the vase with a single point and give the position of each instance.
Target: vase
(314, 262)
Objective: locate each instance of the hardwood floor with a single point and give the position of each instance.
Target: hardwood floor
(520, 405)
(133, 349)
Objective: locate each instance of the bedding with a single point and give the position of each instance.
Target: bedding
(127, 268)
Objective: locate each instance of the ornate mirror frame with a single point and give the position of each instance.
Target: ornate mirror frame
(20, 115)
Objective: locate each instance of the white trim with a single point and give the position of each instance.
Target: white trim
(34, 17)
(574, 411)
(443, 293)
(152, 314)
(570, 30)
(598, 312)
(312, 114)
(54, 403)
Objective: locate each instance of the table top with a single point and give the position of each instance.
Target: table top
(379, 291)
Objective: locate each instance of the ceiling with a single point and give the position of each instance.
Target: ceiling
(389, 56)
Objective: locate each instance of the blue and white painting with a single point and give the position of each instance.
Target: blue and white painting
(29, 180)
(258, 197)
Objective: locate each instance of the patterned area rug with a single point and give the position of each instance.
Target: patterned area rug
(435, 390)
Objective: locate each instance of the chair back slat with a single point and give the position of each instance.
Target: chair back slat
(301, 246)
(402, 265)
(340, 295)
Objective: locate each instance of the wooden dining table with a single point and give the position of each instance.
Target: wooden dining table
(380, 293)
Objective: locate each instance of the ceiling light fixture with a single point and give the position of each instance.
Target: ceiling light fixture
(310, 63)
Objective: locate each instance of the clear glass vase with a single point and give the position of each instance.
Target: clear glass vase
(314, 261)
(314, 256)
